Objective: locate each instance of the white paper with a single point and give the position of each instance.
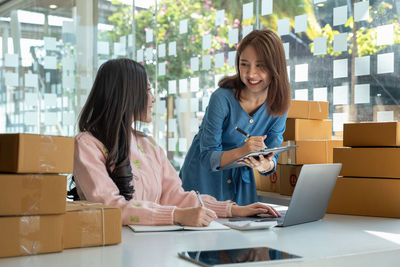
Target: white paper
(385, 63)
(31, 80)
(300, 23)
(217, 78)
(68, 118)
(286, 48)
(11, 60)
(341, 95)
(103, 48)
(266, 7)
(340, 42)
(339, 15)
(219, 60)
(50, 43)
(172, 146)
(206, 62)
(149, 36)
(194, 125)
(340, 68)
(68, 64)
(362, 66)
(248, 11)
(320, 94)
(246, 30)
(182, 105)
(50, 118)
(139, 55)
(130, 40)
(172, 87)
(161, 68)
(385, 35)
(172, 125)
(361, 11)
(148, 54)
(68, 81)
(204, 103)
(50, 100)
(382, 116)
(182, 144)
(47, 77)
(194, 84)
(320, 46)
(194, 105)
(283, 27)
(233, 36)
(31, 99)
(319, 1)
(206, 41)
(161, 50)
(194, 64)
(119, 49)
(183, 86)
(50, 62)
(338, 119)
(161, 107)
(301, 94)
(183, 26)
(301, 73)
(11, 79)
(361, 94)
(231, 58)
(172, 48)
(30, 118)
(219, 17)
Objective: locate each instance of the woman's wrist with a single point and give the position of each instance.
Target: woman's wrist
(271, 167)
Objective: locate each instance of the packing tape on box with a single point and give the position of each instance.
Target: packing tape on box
(28, 224)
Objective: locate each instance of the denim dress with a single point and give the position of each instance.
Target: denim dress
(217, 134)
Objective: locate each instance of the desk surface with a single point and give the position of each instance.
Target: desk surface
(337, 240)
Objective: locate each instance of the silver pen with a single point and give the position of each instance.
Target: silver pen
(199, 198)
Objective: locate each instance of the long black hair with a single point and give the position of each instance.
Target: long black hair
(118, 95)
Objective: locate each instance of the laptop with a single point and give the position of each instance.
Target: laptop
(311, 195)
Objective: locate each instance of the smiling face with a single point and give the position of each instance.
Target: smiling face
(253, 71)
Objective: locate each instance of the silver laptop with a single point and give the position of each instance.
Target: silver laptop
(311, 195)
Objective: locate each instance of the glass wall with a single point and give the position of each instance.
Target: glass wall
(342, 51)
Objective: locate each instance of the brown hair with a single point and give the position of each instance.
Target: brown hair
(269, 46)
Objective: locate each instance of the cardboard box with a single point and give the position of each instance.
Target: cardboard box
(309, 151)
(366, 196)
(376, 162)
(302, 129)
(268, 183)
(379, 134)
(32, 153)
(300, 109)
(29, 235)
(288, 176)
(32, 194)
(91, 224)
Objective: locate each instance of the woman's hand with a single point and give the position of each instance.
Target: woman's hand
(199, 216)
(253, 144)
(253, 209)
(264, 164)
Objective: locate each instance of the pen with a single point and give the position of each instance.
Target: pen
(200, 199)
(242, 132)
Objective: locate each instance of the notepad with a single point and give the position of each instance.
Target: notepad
(214, 225)
(250, 225)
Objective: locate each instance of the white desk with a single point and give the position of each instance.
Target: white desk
(337, 240)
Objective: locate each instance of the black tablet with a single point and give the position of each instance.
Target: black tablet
(241, 255)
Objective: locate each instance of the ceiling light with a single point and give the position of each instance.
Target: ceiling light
(53, 6)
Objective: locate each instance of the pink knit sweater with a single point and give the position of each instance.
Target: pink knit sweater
(158, 189)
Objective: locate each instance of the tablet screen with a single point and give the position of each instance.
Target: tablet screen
(229, 256)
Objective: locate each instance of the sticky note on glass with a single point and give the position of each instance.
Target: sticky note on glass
(50, 43)
(194, 84)
(162, 68)
(194, 125)
(361, 11)
(161, 50)
(194, 63)
(300, 23)
(320, 46)
(139, 55)
(339, 15)
(30, 118)
(182, 105)
(172, 87)
(50, 100)
(340, 69)
(338, 119)
(182, 145)
(340, 95)
(301, 73)
(68, 64)
(85, 82)
(286, 49)
(362, 66)
(340, 42)
(266, 7)
(194, 105)
(68, 81)
(301, 94)
(246, 30)
(219, 60)
(172, 143)
(183, 26)
(172, 125)
(148, 54)
(382, 116)
(183, 86)
(384, 34)
(119, 49)
(161, 107)
(204, 103)
(320, 94)
(206, 62)
(149, 36)
(219, 17)
(361, 94)
(288, 72)
(172, 49)
(103, 48)
(11, 60)
(283, 27)
(50, 62)
(319, 1)
(31, 80)
(233, 36)
(31, 99)
(206, 41)
(385, 63)
(11, 79)
(217, 78)
(231, 58)
(247, 11)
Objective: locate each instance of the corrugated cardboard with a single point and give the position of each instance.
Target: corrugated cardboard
(32, 153)
(28, 235)
(376, 162)
(309, 151)
(32, 194)
(302, 129)
(268, 183)
(379, 134)
(91, 224)
(300, 109)
(366, 196)
(288, 176)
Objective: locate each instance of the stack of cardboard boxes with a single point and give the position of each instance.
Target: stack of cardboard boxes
(33, 205)
(371, 171)
(308, 127)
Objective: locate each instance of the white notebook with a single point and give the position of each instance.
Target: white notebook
(250, 225)
(214, 225)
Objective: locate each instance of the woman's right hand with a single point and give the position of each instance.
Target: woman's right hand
(254, 144)
(198, 216)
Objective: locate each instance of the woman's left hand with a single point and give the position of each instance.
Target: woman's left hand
(264, 164)
(253, 209)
